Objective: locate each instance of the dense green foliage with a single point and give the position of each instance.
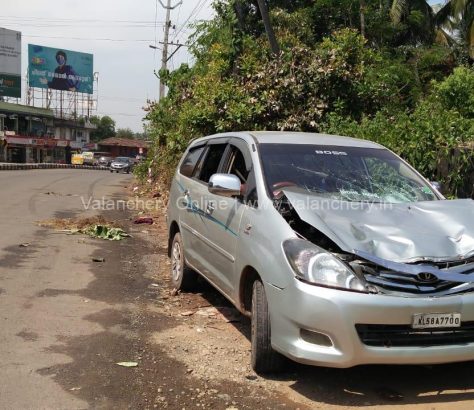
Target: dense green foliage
(397, 85)
(105, 128)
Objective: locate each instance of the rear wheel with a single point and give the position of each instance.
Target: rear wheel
(182, 276)
(264, 358)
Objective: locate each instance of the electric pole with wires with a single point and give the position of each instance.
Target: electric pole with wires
(164, 59)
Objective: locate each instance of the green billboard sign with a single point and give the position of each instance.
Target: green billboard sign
(10, 63)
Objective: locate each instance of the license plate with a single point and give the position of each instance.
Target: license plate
(433, 320)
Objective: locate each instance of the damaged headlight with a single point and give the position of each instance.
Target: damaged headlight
(315, 265)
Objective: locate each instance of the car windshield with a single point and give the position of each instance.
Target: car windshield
(343, 173)
(121, 159)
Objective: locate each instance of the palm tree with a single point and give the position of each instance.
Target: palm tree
(453, 21)
(457, 17)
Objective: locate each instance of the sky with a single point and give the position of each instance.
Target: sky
(118, 33)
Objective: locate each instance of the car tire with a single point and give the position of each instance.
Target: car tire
(182, 276)
(264, 359)
(111, 171)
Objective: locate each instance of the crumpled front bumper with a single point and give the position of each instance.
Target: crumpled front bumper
(335, 314)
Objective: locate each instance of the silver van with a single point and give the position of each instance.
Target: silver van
(338, 250)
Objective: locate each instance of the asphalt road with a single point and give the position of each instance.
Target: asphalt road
(66, 321)
(40, 284)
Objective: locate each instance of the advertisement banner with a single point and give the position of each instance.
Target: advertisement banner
(10, 63)
(60, 69)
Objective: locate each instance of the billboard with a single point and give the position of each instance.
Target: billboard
(10, 63)
(60, 69)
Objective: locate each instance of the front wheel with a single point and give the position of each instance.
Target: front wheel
(182, 277)
(264, 358)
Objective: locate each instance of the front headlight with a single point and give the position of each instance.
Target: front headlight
(315, 265)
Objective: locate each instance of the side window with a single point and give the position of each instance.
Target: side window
(210, 165)
(189, 163)
(238, 166)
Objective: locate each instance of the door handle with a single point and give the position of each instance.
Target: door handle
(210, 208)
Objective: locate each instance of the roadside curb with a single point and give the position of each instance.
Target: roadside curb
(24, 167)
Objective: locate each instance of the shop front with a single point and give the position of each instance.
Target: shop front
(39, 150)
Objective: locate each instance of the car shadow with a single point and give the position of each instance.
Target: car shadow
(362, 386)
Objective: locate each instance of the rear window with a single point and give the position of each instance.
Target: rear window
(189, 163)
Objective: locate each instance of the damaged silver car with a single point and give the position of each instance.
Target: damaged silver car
(338, 250)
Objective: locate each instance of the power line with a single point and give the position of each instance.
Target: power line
(74, 20)
(101, 26)
(193, 13)
(91, 39)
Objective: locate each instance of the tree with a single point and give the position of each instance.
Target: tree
(452, 22)
(126, 133)
(457, 17)
(105, 128)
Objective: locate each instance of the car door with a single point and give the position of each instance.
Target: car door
(181, 199)
(224, 215)
(199, 243)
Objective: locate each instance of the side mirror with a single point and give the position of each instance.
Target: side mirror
(227, 185)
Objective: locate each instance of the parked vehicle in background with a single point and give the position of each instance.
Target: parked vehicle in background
(121, 164)
(77, 159)
(105, 160)
(88, 158)
(338, 250)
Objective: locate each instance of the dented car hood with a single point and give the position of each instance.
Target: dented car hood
(406, 232)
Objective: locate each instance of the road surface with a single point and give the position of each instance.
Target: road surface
(66, 321)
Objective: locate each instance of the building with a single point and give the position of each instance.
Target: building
(123, 147)
(35, 135)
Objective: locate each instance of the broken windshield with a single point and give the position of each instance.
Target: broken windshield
(343, 173)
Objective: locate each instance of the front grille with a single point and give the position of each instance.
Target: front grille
(395, 281)
(404, 335)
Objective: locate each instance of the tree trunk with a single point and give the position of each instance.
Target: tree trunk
(362, 17)
(268, 27)
(240, 13)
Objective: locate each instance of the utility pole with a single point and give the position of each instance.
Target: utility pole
(268, 27)
(164, 58)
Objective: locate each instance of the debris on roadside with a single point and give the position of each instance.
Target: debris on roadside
(226, 314)
(174, 292)
(24, 245)
(128, 364)
(105, 232)
(187, 313)
(95, 227)
(143, 220)
(98, 259)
